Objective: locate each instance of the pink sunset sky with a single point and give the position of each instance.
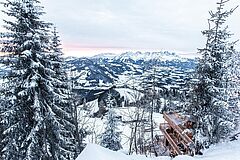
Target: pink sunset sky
(90, 27)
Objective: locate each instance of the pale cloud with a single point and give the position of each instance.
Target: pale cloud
(134, 24)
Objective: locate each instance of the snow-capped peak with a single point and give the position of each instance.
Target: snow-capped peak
(163, 56)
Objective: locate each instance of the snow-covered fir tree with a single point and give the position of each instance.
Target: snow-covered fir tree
(110, 138)
(36, 121)
(215, 121)
(62, 107)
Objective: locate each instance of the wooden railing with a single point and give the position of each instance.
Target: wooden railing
(163, 127)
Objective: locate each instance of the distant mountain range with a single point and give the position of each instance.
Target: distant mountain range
(131, 68)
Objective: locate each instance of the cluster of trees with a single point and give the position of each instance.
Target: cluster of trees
(37, 119)
(215, 97)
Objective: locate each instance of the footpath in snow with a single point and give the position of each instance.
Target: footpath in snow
(224, 151)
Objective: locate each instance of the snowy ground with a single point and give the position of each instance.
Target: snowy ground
(224, 151)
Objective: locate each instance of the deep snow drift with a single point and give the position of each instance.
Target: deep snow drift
(223, 151)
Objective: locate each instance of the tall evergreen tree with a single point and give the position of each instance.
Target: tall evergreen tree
(62, 124)
(36, 123)
(110, 138)
(214, 119)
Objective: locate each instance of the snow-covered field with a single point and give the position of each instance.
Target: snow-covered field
(224, 151)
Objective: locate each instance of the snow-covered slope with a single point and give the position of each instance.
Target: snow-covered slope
(224, 151)
(95, 152)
